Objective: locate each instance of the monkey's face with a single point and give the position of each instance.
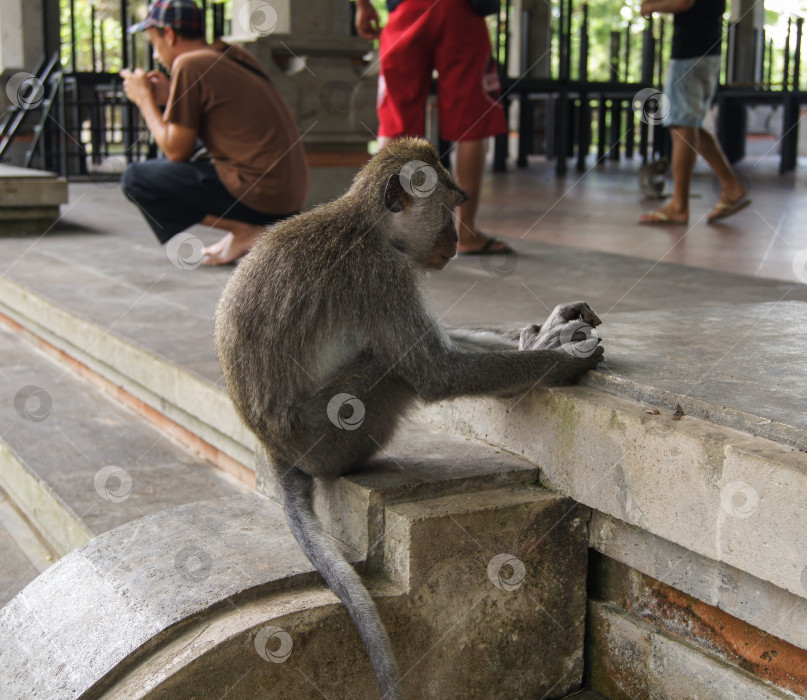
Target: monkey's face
(444, 248)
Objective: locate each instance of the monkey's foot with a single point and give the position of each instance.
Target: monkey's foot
(231, 247)
(485, 245)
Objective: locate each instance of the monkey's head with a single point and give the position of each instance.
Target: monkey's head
(412, 197)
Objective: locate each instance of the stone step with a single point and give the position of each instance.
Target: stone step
(23, 553)
(631, 658)
(76, 463)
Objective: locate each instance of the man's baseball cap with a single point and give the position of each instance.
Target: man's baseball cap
(177, 14)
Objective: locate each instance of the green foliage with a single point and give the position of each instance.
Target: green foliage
(105, 22)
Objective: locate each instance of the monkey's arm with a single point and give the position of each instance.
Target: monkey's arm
(483, 339)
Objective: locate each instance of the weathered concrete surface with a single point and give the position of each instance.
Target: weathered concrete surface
(486, 596)
(732, 497)
(76, 463)
(632, 660)
(698, 624)
(746, 597)
(742, 366)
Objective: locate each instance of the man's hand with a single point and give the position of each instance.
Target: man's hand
(367, 20)
(646, 9)
(160, 87)
(136, 85)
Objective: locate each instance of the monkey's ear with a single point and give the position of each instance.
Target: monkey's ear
(394, 194)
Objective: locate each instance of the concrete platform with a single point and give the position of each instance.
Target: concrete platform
(29, 199)
(724, 484)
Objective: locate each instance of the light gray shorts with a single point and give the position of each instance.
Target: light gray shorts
(690, 87)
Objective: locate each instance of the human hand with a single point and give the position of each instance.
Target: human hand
(160, 86)
(367, 20)
(646, 9)
(136, 85)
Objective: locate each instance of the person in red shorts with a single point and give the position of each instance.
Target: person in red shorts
(449, 36)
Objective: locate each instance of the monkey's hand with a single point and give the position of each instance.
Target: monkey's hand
(568, 324)
(572, 360)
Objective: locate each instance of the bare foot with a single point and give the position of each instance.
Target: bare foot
(231, 247)
(218, 246)
(480, 242)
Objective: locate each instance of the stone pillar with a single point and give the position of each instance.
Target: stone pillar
(536, 63)
(746, 23)
(22, 39)
(313, 58)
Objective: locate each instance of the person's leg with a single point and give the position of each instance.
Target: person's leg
(731, 189)
(684, 155)
(469, 167)
(469, 111)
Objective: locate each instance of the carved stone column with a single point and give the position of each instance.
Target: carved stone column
(317, 64)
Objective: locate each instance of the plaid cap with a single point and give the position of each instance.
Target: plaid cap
(177, 14)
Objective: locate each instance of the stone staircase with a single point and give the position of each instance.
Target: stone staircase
(121, 457)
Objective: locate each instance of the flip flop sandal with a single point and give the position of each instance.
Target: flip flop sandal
(726, 209)
(659, 217)
(487, 249)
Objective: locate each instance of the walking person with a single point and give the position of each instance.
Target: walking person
(692, 78)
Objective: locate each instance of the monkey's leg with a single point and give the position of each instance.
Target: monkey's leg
(339, 575)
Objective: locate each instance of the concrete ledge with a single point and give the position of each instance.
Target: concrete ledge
(29, 199)
(726, 495)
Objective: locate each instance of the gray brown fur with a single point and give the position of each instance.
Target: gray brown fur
(330, 302)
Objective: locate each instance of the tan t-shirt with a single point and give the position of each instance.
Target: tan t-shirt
(245, 125)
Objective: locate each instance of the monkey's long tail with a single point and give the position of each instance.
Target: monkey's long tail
(340, 576)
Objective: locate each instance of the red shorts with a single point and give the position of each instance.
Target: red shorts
(448, 35)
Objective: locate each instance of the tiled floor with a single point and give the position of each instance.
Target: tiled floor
(598, 209)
